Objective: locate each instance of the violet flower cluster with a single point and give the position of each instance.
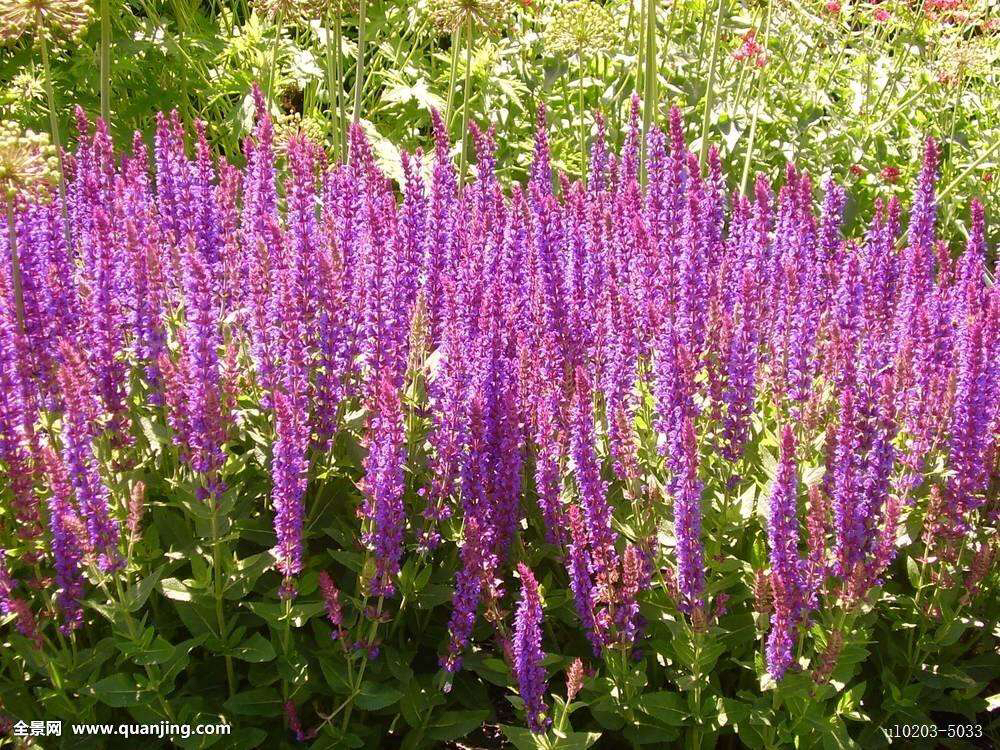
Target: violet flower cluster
(546, 364)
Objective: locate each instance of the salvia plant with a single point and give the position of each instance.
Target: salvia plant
(338, 460)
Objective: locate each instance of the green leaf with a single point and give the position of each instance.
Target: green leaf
(913, 572)
(174, 589)
(138, 593)
(451, 725)
(665, 707)
(274, 613)
(949, 632)
(522, 739)
(248, 571)
(256, 648)
(243, 739)
(257, 702)
(198, 616)
(119, 691)
(417, 703)
(374, 697)
(159, 651)
(576, 740)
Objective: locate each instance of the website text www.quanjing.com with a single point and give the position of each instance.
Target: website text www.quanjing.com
(159, 730)
(162, 730)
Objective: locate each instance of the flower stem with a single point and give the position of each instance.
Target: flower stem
(220, 583)
(330, 76)
(748, 159)
(364, 663)
(54, 132)
(130, 626)
(105, 61)
(465, 102)
(649, 97)
(359, 68)
(583, 127)
(279, 22)
(958, 178)
(456, 39)
(338, 39)
(710, 92)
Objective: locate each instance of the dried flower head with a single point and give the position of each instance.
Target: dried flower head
(449, 15)
(43, 17)
(294, 124)
(136, 508)
(828, 659)
(574, 680)
(28, 165)
(581, 27)
(959, 58)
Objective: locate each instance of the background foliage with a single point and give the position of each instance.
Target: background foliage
(838, 91)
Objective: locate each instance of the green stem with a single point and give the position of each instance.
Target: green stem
(130, 626)
(748, 159)
(364, 664)
(455, 44)
(466, 97)
(54, 132)
(640, 67)
(710, 92)
(359, 67)
(583, 127)
(649, 96)
(330, 76)
(903, 54)
(15, 265)
(220, 584)
(338, 37)
(279, 21)
(105, 61)
(286, 637)
(965, 172)
(696, 730)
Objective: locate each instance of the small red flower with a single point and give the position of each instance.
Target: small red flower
(890, 174)
(856, 170)
(881, 15)
(833, 7)
(987, 177)
(750, 50)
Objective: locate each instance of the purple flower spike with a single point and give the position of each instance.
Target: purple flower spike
(528, 653)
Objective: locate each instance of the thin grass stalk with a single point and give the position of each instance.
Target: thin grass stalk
(761, 88)
(640, 67)
(466, 100)
(455, 44)
(583, 126)
(359, 67)
(105, 61)
(333, 80)
(649, 103)
(50, 95)
(15, 265)
(279, 21)
(904, 53)
(710, 92)
(969, 169)
(338, 38)
(371, 98)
